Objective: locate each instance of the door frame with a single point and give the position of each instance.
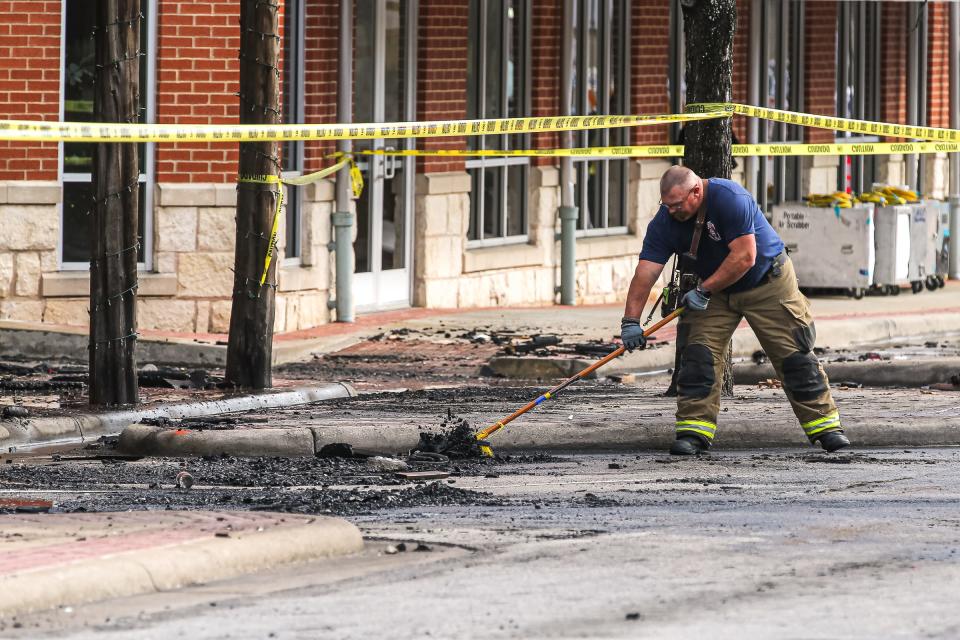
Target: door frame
(370, 286)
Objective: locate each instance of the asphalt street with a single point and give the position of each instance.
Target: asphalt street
(743, 544)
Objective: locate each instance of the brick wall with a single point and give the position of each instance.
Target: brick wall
(650, 52)
(197, 82)
(820, 79)
(938, 65)
(322, 42)
(893, 62)
(442, 75)
(546, 32)
(29, 83)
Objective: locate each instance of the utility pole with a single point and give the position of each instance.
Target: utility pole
(259, 199)
(708, 29)
(116, 181)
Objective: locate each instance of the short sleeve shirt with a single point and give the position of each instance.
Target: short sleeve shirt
(731, 213)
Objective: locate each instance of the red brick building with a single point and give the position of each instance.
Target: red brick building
(435, 232)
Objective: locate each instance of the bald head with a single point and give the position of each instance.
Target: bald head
(681, 192)
(677, 177)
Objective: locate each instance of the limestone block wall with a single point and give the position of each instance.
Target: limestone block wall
(891, 169)
(819, 174)
(191, 284)
(450, 273)
(29, 235)
(936, 177)
(195, 228)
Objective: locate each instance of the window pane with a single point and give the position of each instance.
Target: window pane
(596, 175)
(79, 66)
(616, 207)
(516, 196)
(493, 102)
(393, 250)
(292, 96)
(78, 77)
(492, 202)
(78, 218)
(474, 73)
(496, 88)
(515, 59)
(476, 212)
(291, 93)
(394, 95)
(601, 74)
(361, 246)
(291, 203)
(364, 66)
(516, 89)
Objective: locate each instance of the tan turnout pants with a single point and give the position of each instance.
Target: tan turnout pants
(780, 317)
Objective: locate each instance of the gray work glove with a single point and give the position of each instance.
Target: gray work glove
(696, 299)
(632, 334)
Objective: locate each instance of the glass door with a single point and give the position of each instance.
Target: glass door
(383, 92)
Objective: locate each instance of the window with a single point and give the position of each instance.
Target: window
(858, 85)
(782, 50)
(600, 53)
(293, 112)
(79, 17)
(498, 87)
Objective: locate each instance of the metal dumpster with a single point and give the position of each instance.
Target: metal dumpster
(830, 248)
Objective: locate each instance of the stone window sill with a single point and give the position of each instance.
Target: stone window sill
(591, 248)
(508, 256)
(76, 284)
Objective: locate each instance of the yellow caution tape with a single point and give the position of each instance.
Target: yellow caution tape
(675, 151)
(271, 245)
(866, 127)
(356, 180)
(116, 132)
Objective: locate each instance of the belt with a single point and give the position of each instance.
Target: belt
(776, 268)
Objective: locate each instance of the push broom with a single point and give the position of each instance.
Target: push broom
(482, 436)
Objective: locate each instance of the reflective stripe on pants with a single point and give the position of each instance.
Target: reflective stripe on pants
(699, 427)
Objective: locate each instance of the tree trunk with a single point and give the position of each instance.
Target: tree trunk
(708, 29)
(258, 196)
(114, 245)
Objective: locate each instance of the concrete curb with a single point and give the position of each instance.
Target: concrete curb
(835, 334)
(142, 439)
(585, 435)
(177, 565)
(597, 436)
(877, 373)
(17, 431)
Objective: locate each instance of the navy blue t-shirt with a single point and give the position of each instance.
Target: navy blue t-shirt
(731, 212)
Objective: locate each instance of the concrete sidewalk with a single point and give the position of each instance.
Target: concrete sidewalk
(861, 321)
(57, 560)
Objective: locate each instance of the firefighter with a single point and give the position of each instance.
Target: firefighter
(738, 269)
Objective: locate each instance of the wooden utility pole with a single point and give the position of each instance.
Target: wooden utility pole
(250, 345)
(116, 180)
(708, 29)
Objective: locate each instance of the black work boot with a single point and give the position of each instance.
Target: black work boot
(689, 445)
(833, 441)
